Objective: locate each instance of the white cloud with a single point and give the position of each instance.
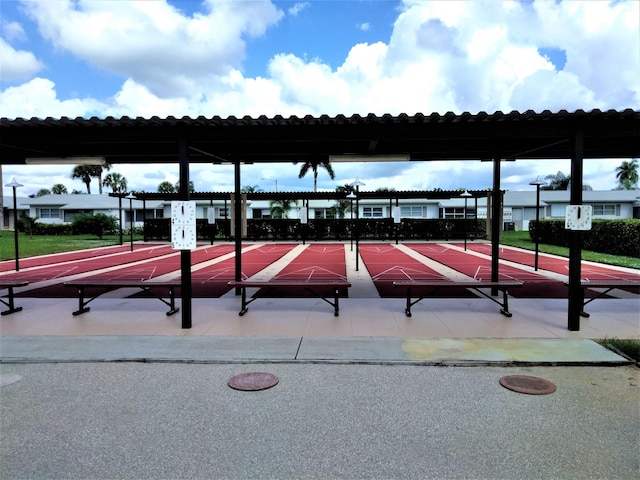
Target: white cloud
(365, 27)
(298, 7)
(153, 43)
(17, 64)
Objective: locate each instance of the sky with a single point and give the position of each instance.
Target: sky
(144, 58)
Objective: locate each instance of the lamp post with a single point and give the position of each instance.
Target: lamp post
(271, 179)
(357, 184)
(538, 183)
(351, 197)
(131, 197)
(466, 196)
(14, 185)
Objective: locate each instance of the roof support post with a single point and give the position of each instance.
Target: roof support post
(237, 206)
(496, 216)
(185, 255)
(576, 293)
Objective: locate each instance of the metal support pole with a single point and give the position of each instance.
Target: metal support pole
(131, 222)
(15, 228)
(576, 293)
(357, 227)
(496, 214)
(237, 206)
(185, 255)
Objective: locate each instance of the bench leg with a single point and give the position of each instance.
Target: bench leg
(82, 308)
(172, 302)
(243, 294)
(336, 304)
(9, 303)
(505, 304)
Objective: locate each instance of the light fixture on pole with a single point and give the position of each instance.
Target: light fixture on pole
(271, 180)
(131, 197)
(14, 185)
(537, 183)
(357, 184)
(466, 196)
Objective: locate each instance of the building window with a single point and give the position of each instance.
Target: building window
(372, 212)
(452, 212)
(319, 213)
(411, 212)
(606, 210)
(49, 213)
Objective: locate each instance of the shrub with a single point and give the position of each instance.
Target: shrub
(615, 237)
(97, 224)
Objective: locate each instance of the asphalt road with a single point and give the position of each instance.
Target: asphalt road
(174, 421)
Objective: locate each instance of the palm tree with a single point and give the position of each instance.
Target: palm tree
(59, 189)
(192, 187)
(627, 175)
(250, 189)
(313, 166)
(559, 181)
(281, 208)
(97, 172)
(342, 206)
(166, 187)
(84, 173)
(116, 182)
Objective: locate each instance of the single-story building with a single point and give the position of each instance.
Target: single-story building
(519, 207)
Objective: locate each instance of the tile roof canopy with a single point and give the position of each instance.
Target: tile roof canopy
(466, 136)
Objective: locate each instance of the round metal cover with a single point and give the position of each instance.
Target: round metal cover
(527, 384)
(253, 381)
(9, 378)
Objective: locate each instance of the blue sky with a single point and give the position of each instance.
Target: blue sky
(259, 57)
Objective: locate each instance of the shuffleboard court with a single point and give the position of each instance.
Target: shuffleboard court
(589, 272)
(474, 266)
(387, 264)
(212, 281)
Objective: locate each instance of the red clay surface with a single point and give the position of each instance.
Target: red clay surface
(212, 281)
(316, 262)
(9, 265)
(386, 264)
(474, 266)
(556, 265)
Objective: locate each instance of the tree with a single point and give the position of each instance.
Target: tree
(560, 181)
(116, 182)
(627, 175)
(342, 206)
(313, 166)
(166, 187)
(250, 189)
(192, 187)
(97, 172)
(281, 208)
(59, 189)
(84, 173)
(42, 192)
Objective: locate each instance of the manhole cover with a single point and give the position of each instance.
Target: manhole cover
(9, 378)
(253, 381)
(527, 384)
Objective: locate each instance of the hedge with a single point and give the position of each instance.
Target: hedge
(615, 237)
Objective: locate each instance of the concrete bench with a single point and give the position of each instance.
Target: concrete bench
(311, 286)
(607, 285)
(475, 285)
(104, 286)
(9, 285)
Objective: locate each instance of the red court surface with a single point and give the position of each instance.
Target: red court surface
(211, 281)
(555, 264)
(474, 266)
(316, 262)
(386, 264)
(10, 265)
